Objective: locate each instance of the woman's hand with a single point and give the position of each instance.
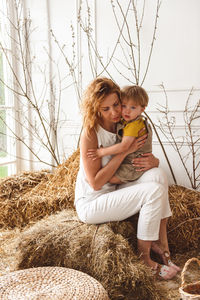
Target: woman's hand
(145, 162)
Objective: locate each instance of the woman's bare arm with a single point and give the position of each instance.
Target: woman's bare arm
(96, 175)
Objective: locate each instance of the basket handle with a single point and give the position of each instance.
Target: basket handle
(185, 269)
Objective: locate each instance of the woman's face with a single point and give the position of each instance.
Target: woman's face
(110, 109)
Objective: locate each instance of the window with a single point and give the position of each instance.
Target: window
(7, 141)
(3, 140)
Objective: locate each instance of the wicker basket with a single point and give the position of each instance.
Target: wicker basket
(47, 283)
(189, 291)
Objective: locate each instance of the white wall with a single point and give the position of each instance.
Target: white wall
(175, 60)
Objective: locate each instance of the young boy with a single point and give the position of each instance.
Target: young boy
(133, 124)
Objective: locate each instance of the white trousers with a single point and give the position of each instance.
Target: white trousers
(148, 195)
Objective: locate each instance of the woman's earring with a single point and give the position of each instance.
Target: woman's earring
(99, 114)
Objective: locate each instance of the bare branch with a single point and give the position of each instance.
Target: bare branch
(153, 40)
(190, 140)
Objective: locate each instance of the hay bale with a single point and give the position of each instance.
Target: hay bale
(13, 187)
(29, 197)
(62, 240)
(12, 191)
(8, 250)
(184, 225)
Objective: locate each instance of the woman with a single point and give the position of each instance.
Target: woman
(98, 201)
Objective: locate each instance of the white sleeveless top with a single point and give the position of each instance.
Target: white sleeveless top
(83, 191)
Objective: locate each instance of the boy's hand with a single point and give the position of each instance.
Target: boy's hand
(94, 153)
(137, 144)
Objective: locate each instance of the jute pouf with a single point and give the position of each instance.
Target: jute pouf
(50, 283)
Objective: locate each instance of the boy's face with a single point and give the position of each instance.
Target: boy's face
(130, 110)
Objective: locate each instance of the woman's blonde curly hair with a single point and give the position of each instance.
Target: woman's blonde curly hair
(94, 95)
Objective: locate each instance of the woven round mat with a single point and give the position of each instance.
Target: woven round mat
(50, 283)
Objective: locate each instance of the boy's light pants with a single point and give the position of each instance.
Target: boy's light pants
(148, 195)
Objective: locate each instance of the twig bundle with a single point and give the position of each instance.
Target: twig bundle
(31, 196)
(184, 225)
(62, 240)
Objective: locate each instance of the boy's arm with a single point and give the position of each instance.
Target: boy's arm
(114, 149)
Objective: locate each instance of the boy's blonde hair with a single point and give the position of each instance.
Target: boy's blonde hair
(137, 94)
(94, 95)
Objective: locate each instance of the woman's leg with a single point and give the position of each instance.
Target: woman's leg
(163, 271)
(159, 176)
(169, 269)
(163, 241)
(125, 202)
(161, 246)
(144, 248)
